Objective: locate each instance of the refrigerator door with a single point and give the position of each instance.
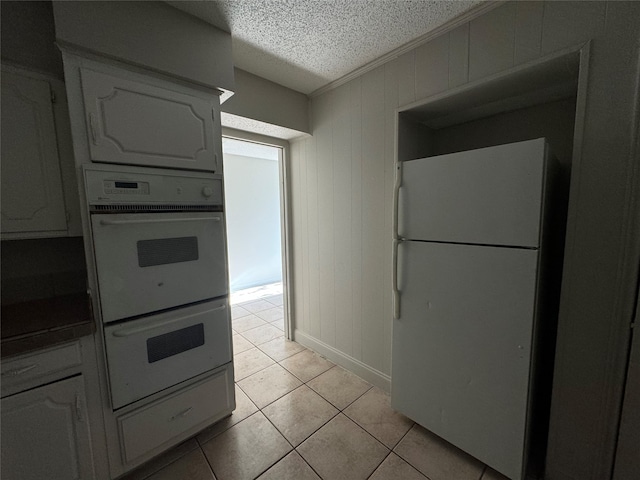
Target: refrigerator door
(462, 346)
(490, 196)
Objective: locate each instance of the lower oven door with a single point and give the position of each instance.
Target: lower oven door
(148, 262)
(153, 353)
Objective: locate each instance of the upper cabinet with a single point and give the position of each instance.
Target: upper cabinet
(152, 123)
(32, 191)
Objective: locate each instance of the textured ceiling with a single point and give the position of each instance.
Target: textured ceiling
(306, 44)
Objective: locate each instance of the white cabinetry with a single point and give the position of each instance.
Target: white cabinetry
(39, 186)
(45, 433)
(32, 195)
(45, 421)
(150, 428)
(142, 121)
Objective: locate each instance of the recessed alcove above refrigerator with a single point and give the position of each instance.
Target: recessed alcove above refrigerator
(538, 99)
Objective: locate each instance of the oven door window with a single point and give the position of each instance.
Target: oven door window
(173, 343)
(164, 251)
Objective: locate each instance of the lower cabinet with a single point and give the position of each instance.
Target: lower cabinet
(45, 433)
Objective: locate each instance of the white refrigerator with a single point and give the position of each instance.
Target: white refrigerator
(468, 276)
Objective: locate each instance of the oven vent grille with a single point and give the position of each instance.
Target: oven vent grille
(136, 208)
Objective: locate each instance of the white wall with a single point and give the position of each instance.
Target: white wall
(259, 99)
(252, 207)
(341, 197)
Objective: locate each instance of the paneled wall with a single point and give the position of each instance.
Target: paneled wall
(341, 182)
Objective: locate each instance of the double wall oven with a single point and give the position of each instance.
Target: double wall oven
(160, 256)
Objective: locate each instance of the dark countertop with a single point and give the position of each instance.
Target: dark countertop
(43, 323)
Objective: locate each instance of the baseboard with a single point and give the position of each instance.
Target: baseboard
(371, 375)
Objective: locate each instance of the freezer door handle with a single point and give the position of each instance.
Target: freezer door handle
(396, 290)
(399, 211)
(397, 199)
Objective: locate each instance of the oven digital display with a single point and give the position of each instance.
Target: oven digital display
(124, 187)
(126, 184)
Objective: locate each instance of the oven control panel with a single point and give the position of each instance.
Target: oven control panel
(125, 188)
(106, 185)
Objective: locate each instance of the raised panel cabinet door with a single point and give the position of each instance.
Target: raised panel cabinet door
(45, 433)
(32, 195)
(135, 123)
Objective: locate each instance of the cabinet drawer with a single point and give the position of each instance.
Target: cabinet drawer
(175, 417)
(31, 370)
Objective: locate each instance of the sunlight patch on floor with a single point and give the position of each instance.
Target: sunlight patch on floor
(256, 293)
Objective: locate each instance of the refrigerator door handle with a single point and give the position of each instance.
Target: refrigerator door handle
(395, 273)
(396, 240)
(396, 199)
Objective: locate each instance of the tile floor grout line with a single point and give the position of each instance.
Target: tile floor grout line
(358, 398)
(402, 438)
(308, 464)
(154, 471)
(368, 433)
(407, 460)
(315, 431)
(215, 477)
(277, 361)
(378, 466)
(279, 459)
(257, 371)
(484, 470)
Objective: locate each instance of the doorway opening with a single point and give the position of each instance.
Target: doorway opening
(255, 205)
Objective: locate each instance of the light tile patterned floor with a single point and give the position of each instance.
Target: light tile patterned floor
(299, 416)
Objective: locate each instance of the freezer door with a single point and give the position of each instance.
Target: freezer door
(490, 196)
(462, 346)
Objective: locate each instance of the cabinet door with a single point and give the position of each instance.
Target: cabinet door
(45, 433)
(136, 123)
(32, 195)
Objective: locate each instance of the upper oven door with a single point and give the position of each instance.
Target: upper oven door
(152, 261)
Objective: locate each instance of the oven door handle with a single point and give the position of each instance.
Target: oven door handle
(127, 332)
(159, 220)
